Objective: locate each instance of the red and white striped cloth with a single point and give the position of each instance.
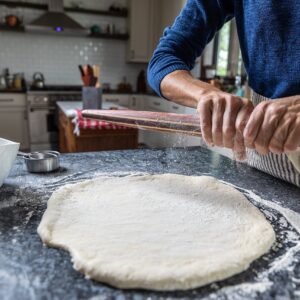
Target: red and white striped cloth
(83, 123)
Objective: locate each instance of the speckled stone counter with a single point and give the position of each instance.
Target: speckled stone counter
(29, 270)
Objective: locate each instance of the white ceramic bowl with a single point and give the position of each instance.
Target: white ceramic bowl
(8, 154)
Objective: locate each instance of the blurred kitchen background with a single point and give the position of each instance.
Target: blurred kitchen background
(42, 45)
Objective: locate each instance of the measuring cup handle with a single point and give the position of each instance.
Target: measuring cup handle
(23, 154)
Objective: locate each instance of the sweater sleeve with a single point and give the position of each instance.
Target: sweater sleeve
(182, 43)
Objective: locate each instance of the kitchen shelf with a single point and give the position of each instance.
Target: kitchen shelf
(120, 14)
(4, 27)
(109, 36)
(21, 29)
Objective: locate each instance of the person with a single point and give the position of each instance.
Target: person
(269, 125)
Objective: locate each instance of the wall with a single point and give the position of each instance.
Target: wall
(170, 9)
(58, 57)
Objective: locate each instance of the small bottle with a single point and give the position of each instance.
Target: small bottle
(141, 82)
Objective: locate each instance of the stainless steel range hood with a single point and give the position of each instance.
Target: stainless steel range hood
(56, 21)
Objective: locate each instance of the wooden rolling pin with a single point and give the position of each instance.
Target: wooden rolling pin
(160, 121)
(157, 121)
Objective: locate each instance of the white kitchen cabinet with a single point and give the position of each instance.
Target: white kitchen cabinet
(153, 103)
(175, 108)
(148, 19)
(116, 99)
(13, 119)
(162, 140)
(136, 102)
(143, 23)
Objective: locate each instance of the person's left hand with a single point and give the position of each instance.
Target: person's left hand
(274, 126)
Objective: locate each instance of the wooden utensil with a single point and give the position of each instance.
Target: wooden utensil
(96, 70)
(157, 121)
(87, 76)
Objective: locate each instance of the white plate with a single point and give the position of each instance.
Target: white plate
(8, 154)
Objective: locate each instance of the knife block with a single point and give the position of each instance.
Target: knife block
(92, 97)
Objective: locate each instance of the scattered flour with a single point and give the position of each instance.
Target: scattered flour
(283, 262)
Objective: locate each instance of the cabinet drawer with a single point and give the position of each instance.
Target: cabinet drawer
(175, 108)
(155, 104)
(116, 99)
(136, 102)
(190, 111)
(8, 100)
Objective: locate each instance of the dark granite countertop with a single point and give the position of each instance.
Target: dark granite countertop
(12, 92)
(29, 270)
(111, 92)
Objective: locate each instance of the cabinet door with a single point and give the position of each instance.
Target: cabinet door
(175, 108)
(153, 103)
(140, 43)
(13, 126)
(115, 100)
(13, 119)
(136, 102)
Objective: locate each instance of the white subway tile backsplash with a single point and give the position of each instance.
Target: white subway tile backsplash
(58, 57)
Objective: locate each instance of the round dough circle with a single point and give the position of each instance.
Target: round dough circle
(162, 232)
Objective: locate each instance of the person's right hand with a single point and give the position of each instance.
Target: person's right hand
(223, 118)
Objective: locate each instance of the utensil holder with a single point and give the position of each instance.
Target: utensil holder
(92, 97)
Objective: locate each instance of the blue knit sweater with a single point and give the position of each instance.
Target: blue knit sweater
(269, 34)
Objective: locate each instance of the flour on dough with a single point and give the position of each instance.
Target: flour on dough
(162, 232)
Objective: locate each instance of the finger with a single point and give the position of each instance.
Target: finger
(233, 105)
(272, 118)
(254, 124)
(239, 148)
(281, 134)
(244, 115)
(205, 114)
(241, 122)
(293, 140)
(217, 121)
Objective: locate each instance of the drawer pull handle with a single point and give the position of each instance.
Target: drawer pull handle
(156, 103)
(175, 107)
(6, 100)
(112, 100)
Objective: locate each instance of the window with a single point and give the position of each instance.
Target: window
(223, 50)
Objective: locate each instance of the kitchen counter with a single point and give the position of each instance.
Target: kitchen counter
(29, 270)
(112, 92)
(12, 92)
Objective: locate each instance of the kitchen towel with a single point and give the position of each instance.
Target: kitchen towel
(280, 166)
(83, 123)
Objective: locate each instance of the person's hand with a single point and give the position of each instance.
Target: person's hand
(223, 118)
(274, 126)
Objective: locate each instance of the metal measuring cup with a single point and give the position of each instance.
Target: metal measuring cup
(41, 162)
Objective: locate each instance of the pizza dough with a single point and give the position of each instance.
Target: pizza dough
(163, 232)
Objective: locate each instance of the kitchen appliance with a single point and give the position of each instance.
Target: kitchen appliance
(38, 80)
(56, 21)
(43, 114)
(41, 162)
(8, 153)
